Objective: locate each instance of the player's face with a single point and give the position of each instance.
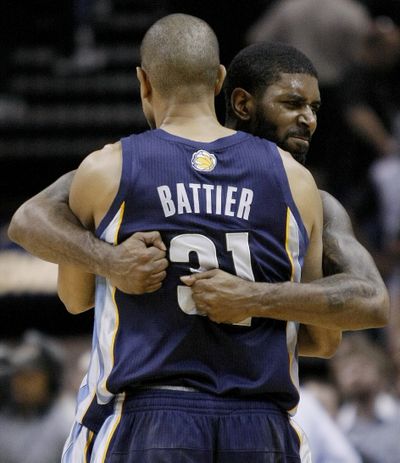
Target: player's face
(287, 113)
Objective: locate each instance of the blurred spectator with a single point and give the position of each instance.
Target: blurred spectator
(35, 421)
(318, 28)
(327, 442)
(370, 90)
(316, 415)
(384, 8)
(370, 412)
(371, 100)
(5, 370)
(326, 393)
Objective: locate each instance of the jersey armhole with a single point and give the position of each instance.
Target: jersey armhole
(287, 193)
(123, 189)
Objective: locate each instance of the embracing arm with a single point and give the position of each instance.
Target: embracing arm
(352, 297)
(352, 294)
(353, 286)
(93, 188)
(44, 224)
(46, 227)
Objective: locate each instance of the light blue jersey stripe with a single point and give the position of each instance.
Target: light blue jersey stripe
(77, 444)
(293, 249)
(105, 328)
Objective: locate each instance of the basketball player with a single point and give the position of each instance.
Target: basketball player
(271, 91)
(183, 387)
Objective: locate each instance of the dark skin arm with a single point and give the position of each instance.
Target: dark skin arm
(352, 296)
(361, 292)
(45, 226)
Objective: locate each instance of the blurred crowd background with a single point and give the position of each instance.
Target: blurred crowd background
(67, 86)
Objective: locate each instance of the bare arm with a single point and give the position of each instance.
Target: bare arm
(93, 189)
(46, 227)
(352, 297)
(353, 286)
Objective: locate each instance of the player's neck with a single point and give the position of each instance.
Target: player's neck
(195, 121)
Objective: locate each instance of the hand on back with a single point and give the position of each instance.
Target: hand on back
(138, 265)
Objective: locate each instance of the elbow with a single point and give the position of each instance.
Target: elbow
(16, 229)
(75, 308)
(74, 305)
(319, 342)
(330, 347)
(375, 310)
(381, 310)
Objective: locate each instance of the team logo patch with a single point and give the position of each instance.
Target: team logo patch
(203, 161)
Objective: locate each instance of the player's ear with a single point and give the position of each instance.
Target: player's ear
(242, 103)
(145, 85)
(220, 79)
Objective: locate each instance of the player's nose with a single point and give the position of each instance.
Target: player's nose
(308, 117)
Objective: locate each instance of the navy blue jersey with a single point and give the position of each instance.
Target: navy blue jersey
(225, 204)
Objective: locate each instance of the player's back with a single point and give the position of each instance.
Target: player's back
(224, 204)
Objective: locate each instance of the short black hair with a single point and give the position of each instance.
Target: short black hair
(260, 65)
(180, 51)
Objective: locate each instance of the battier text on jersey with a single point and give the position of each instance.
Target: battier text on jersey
(196, 198)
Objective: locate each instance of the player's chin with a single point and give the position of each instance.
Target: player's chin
(301, 145)
(298, 148)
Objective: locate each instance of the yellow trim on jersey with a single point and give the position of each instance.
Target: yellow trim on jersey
(118, 411)
(88, 442)
(121, 216)
(116, 325)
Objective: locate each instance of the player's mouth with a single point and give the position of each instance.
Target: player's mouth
(301, 138)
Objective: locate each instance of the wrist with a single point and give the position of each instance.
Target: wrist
(100, 256)
(269, 298)
(260, 299)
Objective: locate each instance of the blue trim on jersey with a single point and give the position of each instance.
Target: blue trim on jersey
(218, 143)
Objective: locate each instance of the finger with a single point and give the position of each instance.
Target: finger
(154, 254)
(189, 280)
(152, 238)
(160, 265)
(157, 277)
(153, 288)
(152, 261)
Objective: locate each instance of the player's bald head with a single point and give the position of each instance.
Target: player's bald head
(180, 51)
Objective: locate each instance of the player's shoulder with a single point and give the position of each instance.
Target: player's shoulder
(102, 158)
(335, 215)
(109, 150)
(295, 171)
